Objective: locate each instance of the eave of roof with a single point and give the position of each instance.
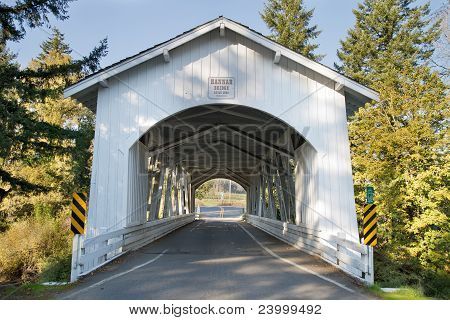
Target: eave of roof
(92, 80)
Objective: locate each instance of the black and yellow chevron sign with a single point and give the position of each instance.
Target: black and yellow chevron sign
(370, 225)
(79, 209)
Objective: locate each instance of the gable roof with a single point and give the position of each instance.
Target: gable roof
(85, 89)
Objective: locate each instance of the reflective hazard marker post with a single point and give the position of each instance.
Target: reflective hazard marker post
(370, 219)
(370, 229)
(78, 227)
(79, 208)
(370, 224)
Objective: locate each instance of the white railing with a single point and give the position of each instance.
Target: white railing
(92, 253)
(354, 258)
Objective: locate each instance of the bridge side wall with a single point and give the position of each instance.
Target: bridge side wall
(141, 97)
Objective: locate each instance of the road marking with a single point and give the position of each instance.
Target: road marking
(196, 226)
(115, 276)
(273, 254)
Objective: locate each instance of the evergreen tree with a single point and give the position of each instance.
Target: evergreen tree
(66, 113)
(386, 34)
(400, 144)
(289, 23)
(30, 13)
(26, 136)
(441, 57)
(57, 173)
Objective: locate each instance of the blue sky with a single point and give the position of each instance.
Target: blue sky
(134, 25)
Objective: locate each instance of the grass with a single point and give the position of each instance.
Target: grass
(31, 291)
(404, 293)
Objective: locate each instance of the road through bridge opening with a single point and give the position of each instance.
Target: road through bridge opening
(220, 192)
(221, 101)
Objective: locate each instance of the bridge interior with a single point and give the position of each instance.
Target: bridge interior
(234, 142)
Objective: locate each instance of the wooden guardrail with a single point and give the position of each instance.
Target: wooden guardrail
(92, 253)
(352, 257)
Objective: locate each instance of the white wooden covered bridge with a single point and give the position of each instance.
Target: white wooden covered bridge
(221, 100)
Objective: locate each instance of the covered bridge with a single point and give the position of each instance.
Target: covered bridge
(220, 100)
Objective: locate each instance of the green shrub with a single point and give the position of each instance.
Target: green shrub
(407, 272)
(33, 246)
(437, 285)
(57, 269)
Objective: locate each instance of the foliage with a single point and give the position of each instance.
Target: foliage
(289, 22)
(400, 144)
(27, 136)
(386, 34)
(441, 56)
(58, 174)
(31, 13)
(34, 245)
(45, 145)
(213, 188)
(204, 190)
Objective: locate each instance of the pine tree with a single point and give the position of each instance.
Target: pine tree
(25, 136)
(441, 57)
(66, 113)
(56, 173)
(30, 13)
(289, 23)
(400, 144)
(386, 34)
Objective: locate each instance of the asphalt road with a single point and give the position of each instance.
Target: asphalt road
(217, 258)
(220, 212)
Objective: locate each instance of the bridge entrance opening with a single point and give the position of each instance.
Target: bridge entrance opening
(220, 198)
(248, 146)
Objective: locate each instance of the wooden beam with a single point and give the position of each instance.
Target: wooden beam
(166, 55)
(277, 57)
(204, 113)
(235, 178)
(236, 114)
(244, 151)
(222, 29)
(237, 174)
(157, 191)
(104, 83)
(168, 195)
(272, 207)
(194, 180)
(172, 144)
(338, 86)
(259, 140)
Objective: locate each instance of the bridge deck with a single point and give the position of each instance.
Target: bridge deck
(215, 258)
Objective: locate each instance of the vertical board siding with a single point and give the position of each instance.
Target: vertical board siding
(137, 185)
(144, 95)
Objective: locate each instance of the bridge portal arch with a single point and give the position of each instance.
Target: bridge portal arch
(230, 141)
(279, 167)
